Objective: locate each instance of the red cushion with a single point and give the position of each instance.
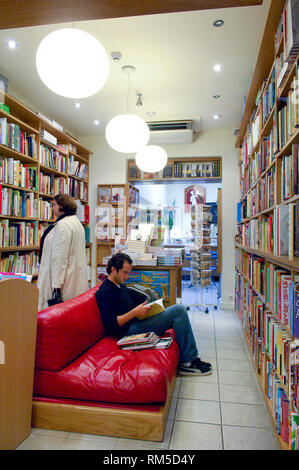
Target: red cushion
(66, 330)
(106, 373)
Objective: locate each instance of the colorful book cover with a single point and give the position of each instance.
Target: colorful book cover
(295, 326)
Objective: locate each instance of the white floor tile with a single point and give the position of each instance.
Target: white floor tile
(237, 438)
(240, 394)
(228, 364)
(39, 442)
(85, 444)
(241, 378)
(199, 411)
(196, 389)
(195, 436)
(236, 414)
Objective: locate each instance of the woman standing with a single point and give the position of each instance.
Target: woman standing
(62, 259)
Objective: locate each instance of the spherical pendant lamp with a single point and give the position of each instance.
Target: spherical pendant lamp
(151, 158)
(72, 63)
(127, 133)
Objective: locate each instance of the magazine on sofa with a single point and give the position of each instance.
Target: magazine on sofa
(156, 307)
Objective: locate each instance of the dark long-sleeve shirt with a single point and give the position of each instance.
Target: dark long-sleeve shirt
(114, 301)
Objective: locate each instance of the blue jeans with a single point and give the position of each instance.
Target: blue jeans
(175, 317)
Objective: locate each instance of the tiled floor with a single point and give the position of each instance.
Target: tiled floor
(224, 410)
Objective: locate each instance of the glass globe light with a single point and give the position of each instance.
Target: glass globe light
(72, 63)
(127, 133)
(151, 158)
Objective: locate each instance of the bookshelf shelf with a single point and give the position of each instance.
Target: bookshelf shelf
(117, 208)
(41, 172)
(185, 169)
(267, 271)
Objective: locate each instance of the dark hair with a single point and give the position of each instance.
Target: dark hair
(117, 261)
(66, 203)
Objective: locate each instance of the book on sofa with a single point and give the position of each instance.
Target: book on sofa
(157, 306)
(163, 343)
(139, 341)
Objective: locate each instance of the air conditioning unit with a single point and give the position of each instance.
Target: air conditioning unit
(170, 132)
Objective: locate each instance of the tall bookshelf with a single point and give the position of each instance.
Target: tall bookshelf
(37, 161)
(267, 256)
(116, 214)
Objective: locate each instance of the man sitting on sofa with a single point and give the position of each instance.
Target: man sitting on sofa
(119, 315)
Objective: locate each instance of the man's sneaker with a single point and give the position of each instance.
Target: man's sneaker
(196, 367)
(207, 364)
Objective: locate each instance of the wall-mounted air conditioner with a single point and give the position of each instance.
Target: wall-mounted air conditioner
(170, 132)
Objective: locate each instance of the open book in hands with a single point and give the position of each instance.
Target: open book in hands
(156, 307)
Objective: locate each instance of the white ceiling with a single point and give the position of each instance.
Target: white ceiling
(173, 54)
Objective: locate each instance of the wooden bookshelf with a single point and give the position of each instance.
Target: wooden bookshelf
(33, 167)
(117, 209)
(266, 272)
(185, 169)
(18, 322)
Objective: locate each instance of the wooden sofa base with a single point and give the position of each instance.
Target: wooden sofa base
(145, 425)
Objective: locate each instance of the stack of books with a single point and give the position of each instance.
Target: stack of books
(144, 341)
(48, 137)
(170, 260)
(139, 341)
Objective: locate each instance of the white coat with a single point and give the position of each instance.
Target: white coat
(63, 264)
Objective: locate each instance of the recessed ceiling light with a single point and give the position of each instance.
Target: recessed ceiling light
(216, 97)
(78, 105)
(217, 67)
(11, 44)
(96, 122)
(216, 116)
(218, 23)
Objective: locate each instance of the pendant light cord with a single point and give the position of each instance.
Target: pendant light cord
(129, 91)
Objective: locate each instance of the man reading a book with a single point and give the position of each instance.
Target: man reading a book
(122, 315)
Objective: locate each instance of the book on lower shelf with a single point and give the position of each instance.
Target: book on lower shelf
(139, 341)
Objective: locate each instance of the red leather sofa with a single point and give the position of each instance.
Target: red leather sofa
(84, 383)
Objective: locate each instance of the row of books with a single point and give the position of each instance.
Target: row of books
(77, 189)
(196, 170)
(290, 173)
(20, 263)
(268, 98)
(278, 290)
(13, 137)
(51, 184)
(287, 117)
(52, 158)
(17, 203)
(261, 197)
(278, 233)
(17, 173)
(18, 233)
(80, 170)
(82, 212)
(287, 31)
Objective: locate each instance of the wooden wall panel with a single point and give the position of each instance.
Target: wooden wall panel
(17, 14)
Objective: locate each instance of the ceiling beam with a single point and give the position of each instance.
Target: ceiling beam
(18, 13)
